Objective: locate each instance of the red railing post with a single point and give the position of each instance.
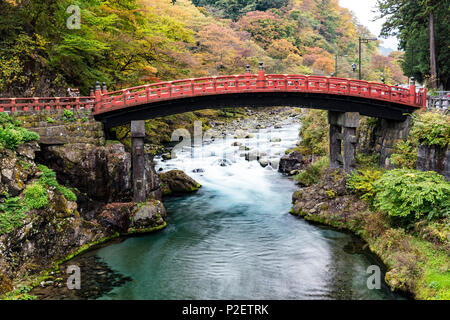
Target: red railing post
(36, 104)
(13, 102)
(261, 79)
(98, 97)
(425, 98)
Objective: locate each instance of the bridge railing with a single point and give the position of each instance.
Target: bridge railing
(104, 101)
(51, 104)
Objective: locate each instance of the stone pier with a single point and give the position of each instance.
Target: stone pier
(343, 130)
(138, 160)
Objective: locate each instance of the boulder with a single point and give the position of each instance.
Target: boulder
(149, 215)
(254, 155)
(264, 162)
(274, 163)
(176, 181)
(290, 162)
(115, 216)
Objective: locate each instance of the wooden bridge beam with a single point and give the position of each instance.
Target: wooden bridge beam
(349, 121)
(138, 161)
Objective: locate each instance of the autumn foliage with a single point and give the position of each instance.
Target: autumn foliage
(133, 42)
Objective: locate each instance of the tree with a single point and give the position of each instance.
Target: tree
(422, 27)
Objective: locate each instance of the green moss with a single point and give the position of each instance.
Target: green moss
(12, 213)
(48, 179)
(36, 196)
(21, 293)
(435, 282)
(68, 116)
(133, 231)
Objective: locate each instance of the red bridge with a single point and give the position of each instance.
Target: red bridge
(164, 98)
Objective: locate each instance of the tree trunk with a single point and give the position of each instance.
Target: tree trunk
(433, 71)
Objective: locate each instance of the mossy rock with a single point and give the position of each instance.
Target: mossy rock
(176, 181)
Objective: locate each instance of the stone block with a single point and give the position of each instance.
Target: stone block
(138, 129)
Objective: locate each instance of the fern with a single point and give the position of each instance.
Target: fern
(412, 194)
(362, 183)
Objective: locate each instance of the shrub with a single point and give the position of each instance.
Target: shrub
(36, 196)
(431, 128)
(312, 174)
(68, 116)
(12, 135)
(370, 161)
(362, 183)
(405, 155)
(314, 133)
(28, 135)
(412, 194)
(48, 176)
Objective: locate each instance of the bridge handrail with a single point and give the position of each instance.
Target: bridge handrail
(45, 103)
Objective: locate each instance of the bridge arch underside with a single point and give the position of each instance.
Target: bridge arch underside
(366, 107)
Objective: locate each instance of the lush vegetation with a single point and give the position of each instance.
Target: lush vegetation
(431, 128)
(132, 42)
(405, 193)
(428, 128)
(406, 222)
(312, 173)
(362, 183)
(314, 133)
(35, 196)
(409, 21)
(413, 194)
(12, 135)
(12, 213)
(48, 180)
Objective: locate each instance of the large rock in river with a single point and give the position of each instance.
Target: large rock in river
(290, 162)
(149, 215)
(176, 181)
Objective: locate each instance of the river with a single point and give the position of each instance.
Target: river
(235, 238)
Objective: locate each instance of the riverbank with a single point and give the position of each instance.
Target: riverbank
(400, 214)
(416, 267)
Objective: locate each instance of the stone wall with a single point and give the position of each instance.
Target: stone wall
(60, 127)
(381, 136)
(434, 158)
(387, 135)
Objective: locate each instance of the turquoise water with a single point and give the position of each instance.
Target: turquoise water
(235, 239)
